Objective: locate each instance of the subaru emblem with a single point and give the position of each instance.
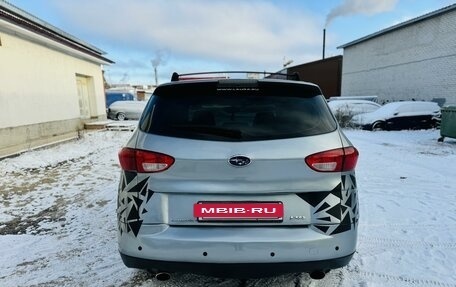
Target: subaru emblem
(239, 160)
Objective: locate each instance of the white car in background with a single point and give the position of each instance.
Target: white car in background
(126, 110)
(344, 110)
(400, 115)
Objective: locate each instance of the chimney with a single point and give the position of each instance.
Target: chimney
(324, 42)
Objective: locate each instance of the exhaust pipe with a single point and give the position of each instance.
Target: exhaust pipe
(162, 276)
(317, 275)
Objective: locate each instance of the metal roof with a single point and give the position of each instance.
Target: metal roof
(26, 20)
(401, 25)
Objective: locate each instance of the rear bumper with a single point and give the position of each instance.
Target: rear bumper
(207, 250)
(236, 270)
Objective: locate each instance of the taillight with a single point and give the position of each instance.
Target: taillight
(351, 158)
(336, 160)
(144, 161)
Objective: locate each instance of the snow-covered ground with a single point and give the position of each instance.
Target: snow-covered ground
(57, 216)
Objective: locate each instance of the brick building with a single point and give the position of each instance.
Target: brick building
(415, 59)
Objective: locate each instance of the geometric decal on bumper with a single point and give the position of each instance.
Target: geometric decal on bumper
(132, 197)
(335, 211)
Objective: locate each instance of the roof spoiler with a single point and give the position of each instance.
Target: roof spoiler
(224, 75)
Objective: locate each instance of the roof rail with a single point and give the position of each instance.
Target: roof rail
(223, 75)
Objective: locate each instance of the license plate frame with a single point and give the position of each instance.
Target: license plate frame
(239, 211)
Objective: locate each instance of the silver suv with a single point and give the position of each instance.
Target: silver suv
(237, 178)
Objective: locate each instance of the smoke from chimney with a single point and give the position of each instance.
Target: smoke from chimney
(159, 59)
(365, 7)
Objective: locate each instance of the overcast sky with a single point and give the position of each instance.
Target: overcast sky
(203, 35)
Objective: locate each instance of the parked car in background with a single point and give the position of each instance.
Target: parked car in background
(400, 115)
(344, 98)
(237, 178)
(344, 110)
(126, 110)
(114, 96)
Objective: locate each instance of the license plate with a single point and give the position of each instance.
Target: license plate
(238, 211)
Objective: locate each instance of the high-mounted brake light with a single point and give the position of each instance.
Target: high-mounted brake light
(336, 160)
(144, 161)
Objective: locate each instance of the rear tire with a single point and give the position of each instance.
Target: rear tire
(120, 116)
(378, 126)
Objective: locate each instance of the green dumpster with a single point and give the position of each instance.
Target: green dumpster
(448, 123)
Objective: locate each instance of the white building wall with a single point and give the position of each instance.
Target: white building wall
(38, 84)
(414, 62)
(39, 102)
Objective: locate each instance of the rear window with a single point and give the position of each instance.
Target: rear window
(237, 113)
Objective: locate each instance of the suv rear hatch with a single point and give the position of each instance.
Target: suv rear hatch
(190, 131)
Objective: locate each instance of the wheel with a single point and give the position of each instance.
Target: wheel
(378, 126)
(120, 116)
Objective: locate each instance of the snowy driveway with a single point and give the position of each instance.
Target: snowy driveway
(57, 217)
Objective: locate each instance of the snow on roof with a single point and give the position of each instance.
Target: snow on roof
(349, 102)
